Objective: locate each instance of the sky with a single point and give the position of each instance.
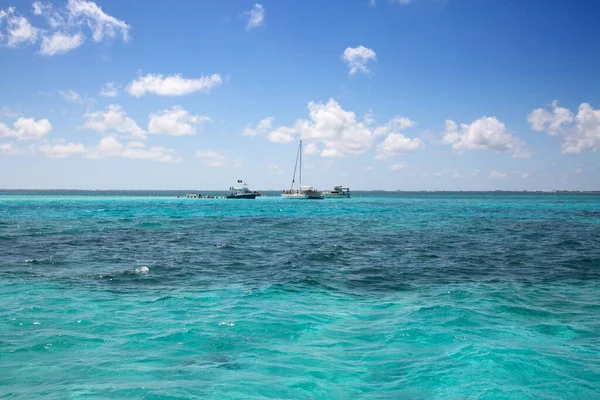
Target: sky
(385, 94)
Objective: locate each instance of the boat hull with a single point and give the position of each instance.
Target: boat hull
(336, 196)
(242, 196)
(302, 196)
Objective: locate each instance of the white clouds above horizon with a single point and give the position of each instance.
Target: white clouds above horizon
(26, 129)
(62, 150)
(172, 85)
(580, 132)
(339, 133)
(486, 133)
(396, 144)
(497, 175)
(113, 120)
(66, 26)
(175, 122)
(111, 146)
(255, 17)
(357, 59)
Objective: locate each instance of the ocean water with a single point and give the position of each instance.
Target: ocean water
(382, 296)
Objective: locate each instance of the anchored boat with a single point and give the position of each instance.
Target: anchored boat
(337, 192)
(241, 192)
(303, 192)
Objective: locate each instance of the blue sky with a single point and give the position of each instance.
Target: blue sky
(411, 95)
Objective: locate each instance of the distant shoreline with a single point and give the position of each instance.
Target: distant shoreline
(279, 190)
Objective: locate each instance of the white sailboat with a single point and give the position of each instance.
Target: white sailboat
(303, 192)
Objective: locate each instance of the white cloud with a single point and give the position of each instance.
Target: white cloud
(475, 172)
(497, 175)
(486, 133)
(580, 132)
(60, 43)
(110, 146)
(397, 143)
(18, 30)
(101, 24)
(337, 130)
(212, 158)
(66, 26)
(282, 134)
(357, 58)
(62, 150)
(56, 19)
(8, 148)
(113, 120)
(255, 16)
(396, 124)
(175, 122)
(262, 128)
(172, 85)
(311, 148)
(71, 95)
(110, 89)
(398, 166)
(26, 129)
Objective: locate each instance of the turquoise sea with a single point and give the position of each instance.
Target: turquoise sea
(381, 296)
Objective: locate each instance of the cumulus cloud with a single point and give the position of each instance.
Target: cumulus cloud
(338, 132)
(111, 146)
(255, 16)
(486, 133)
(60, 43)
(16, 29)
(357, 58)
(172, 85)
(109, 89)
(175, 122)
(113, 120)
(62, 150)
(212, 158)
(26, 129)
(497, 175)
(262, 128)
(580, 132)
(397, 143)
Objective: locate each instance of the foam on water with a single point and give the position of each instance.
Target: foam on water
(384, 296)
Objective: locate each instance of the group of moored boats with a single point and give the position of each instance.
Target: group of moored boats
(241, 191)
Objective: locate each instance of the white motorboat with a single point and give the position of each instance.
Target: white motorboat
(337, 193)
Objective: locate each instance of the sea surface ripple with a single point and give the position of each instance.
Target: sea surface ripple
(383, 296)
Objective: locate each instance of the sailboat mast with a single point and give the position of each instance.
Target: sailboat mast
(296, 166)
(300, 164)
